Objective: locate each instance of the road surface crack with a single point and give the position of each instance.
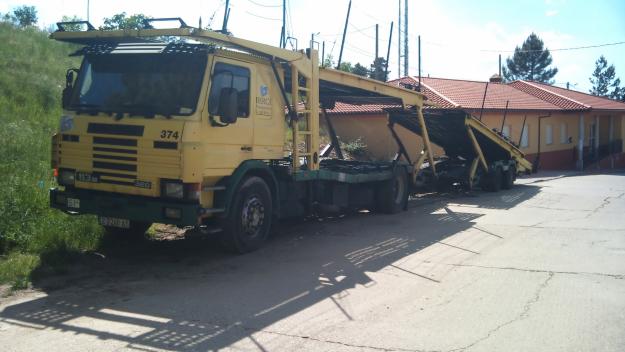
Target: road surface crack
(304, 337)
(524, 314)
(606, 201)
(613, 276)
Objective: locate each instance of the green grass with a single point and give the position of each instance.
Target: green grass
(33, 236)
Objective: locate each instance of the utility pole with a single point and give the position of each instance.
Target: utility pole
(224, 26)
(376, 42)
(349, 8)
(500, 66)
(283, 32)
(88, 8)
(419, 64)
(388, 53)
(399, 40)
(405, 37)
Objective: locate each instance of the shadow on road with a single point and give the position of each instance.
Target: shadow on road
(186, 295)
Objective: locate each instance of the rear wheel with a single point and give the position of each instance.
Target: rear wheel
(392, 195)
(249, 220)
(508, 178)
(492, 180)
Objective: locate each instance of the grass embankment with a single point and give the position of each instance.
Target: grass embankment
(33, 237)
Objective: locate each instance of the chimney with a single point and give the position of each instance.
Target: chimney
(495, 78)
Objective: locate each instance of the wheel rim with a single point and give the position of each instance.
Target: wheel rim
(252, 216)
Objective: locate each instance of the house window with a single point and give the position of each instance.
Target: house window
(525, 141)
(548, 134)
(564, 135)
(506, 131)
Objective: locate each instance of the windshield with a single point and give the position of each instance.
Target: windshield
(142, 84)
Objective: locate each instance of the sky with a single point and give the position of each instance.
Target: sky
(459, 39)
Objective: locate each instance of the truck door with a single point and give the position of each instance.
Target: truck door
(230, 144)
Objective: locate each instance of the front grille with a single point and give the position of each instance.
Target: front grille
(107, 161)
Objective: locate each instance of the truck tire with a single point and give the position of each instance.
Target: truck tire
(247, 225)
(392, 195)
(508, 178)
(492, 180)
(135, 232)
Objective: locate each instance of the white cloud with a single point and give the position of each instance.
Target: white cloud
(551, 13)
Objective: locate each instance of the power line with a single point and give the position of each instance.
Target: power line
(263, 5)
(560, 49)
(263, 17)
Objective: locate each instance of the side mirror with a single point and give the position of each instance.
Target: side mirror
(69, 88)
(228, 105)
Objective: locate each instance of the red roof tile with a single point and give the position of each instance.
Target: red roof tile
(469, 95)
(566, 98)
(464, 94)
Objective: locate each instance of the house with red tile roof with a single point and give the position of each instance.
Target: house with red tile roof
(557, 128)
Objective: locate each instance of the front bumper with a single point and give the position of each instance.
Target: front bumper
(116, 205)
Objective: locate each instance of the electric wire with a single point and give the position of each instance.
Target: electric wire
(263, 5)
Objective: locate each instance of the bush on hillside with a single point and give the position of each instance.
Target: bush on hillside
(33, 69)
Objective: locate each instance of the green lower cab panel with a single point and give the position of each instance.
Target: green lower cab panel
(135, 208)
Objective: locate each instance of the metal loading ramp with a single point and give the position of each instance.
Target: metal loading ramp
(452, 130)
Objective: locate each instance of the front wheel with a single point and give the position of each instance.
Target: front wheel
(248, 222)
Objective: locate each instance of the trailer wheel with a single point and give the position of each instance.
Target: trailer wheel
(492, 181)
(135, 232)
(508, 178)
(392, 195)
(248, 223)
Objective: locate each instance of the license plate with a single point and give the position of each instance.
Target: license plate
(73, 203)
(114, 222)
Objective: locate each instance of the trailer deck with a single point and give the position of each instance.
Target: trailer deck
(454, 130)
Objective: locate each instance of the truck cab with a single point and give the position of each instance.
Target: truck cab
(150, 129)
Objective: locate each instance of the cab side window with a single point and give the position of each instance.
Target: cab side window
(230, 76)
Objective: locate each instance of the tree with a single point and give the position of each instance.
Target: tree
(345, 66)
(360, 70)
(25, 16)
(378, 69)
(121, 21)
(604, 78)
(71, 27)
(530, 62)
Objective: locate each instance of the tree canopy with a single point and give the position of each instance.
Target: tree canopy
(122, 21)
(530, 62)
(25, 16)
(378, 69)
(604, 81)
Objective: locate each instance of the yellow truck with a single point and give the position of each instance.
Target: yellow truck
(214, 131)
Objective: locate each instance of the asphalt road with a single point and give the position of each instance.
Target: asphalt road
(538, 268)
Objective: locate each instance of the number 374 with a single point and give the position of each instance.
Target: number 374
(169, 134)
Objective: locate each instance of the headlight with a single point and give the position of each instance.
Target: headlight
(66, 177)
(172, 189)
